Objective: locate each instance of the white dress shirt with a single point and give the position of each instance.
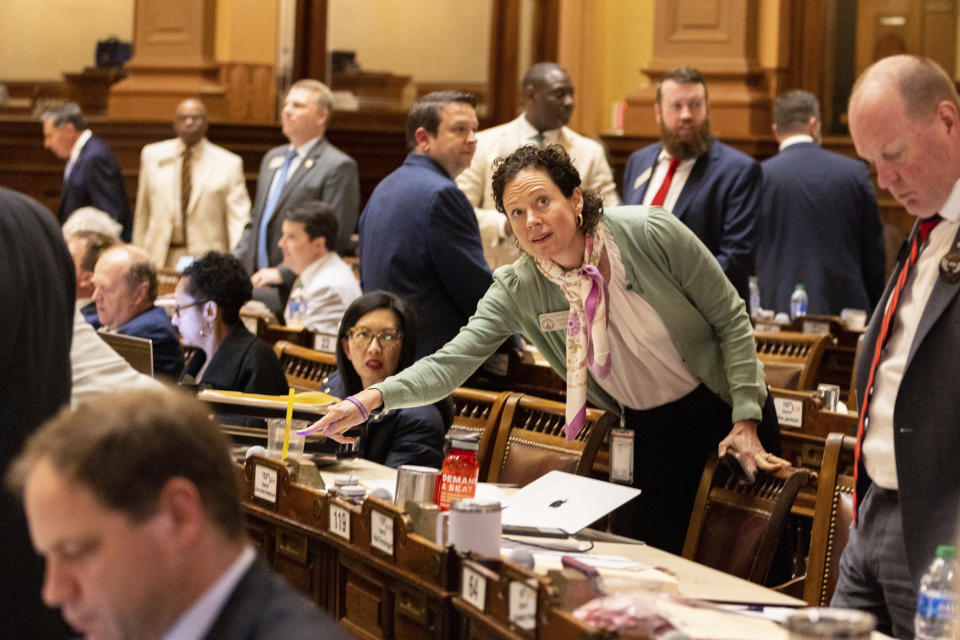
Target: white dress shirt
(676, 185)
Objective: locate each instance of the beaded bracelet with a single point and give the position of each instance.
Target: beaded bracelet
(364, 414)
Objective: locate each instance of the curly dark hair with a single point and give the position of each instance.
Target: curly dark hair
(554, 162)
(219, 277)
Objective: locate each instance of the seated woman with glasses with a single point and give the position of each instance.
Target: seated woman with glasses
(377, 338)
(207, 315)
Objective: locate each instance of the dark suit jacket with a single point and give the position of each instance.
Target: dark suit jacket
(719, 203)
(926, 422)
(419, 239)
(36, 293)
(264, 607)
(325, 174)
(96, 181)
(240, 363)
(167, 350)
(819, 226)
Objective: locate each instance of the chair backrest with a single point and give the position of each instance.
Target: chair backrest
(478, 411)
(305, 368)
(167, 279)
(791, 359)
(832, 517)
(735, 527)
(530, 441)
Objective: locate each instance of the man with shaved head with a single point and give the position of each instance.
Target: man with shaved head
(548, 104)
(904, 118)
(192, 195)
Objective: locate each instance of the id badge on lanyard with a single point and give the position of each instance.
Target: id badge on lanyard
(621, 453)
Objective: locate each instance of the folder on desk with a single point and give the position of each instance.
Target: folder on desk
(564, 501)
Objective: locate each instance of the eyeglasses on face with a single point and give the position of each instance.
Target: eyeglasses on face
(177, 308)
(195, 117)
(386, 338)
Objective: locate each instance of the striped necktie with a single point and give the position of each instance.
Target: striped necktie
(186, 184)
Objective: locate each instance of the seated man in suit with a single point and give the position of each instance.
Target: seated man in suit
(309, 245)
(92, 176)
(192, 195)
(714, 189)
(125, 287)
(133, 501)
(86, 247)
(548, 105)
(309, 168)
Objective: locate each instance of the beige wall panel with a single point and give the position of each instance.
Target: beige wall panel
(246, 31)
(40, 39)
(627, 46)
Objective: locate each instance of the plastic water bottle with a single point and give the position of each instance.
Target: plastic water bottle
(937, 600)
(754, 298)
(798, 302)
(296, 308)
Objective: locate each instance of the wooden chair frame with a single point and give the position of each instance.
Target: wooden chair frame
(786, 348)
(479, 411)
(305, 368)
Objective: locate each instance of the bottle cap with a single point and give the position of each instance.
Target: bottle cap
(464, 441)
(352, 491)
(946, 551)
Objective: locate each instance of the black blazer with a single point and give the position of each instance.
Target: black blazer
(95, 181)
(242, 362)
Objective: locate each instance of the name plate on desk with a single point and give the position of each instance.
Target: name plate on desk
(789, 412)
(339, 521)
(815, 326)
(381, 532)
(473, 588)
(265, 483)
(523, 605)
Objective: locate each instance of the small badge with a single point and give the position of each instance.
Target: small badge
(643, 177)
(556, 321)
(276, 163)
(308, 163)
(950, 267)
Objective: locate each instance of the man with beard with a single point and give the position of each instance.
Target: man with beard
(548, 104)
(713, 188)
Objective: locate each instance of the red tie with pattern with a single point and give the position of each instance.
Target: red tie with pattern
(885, 325)
(662, 192)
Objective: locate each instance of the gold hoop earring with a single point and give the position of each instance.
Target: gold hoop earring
(580, 220)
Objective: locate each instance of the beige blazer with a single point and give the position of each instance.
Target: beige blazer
(589, 157)
(219, 205)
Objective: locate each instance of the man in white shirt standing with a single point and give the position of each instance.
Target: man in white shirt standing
(326, 282)
(548, 104)
(905, 120)
(142, 541)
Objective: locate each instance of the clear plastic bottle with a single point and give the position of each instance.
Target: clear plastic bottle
(754, 298)
(296, 308)
(937, 600)
(458, 475)
(798, 302)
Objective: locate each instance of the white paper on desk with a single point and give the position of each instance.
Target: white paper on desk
(559, 500)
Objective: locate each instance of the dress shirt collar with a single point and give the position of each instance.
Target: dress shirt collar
(304, 150)
(796, 139)
(529, 133)
(951, 208)
(314, 267)
(195, 150)
(196, 622)
(78, 145)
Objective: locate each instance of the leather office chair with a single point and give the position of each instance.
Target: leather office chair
(530, 441)
(736, 528)
(478, 411)
(832, 517)
(305, 368)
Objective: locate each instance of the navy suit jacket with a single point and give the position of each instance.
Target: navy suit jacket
(926, 421)
(167, 350)
(819, 226)
(264, 607)
(719, 203)
(95, 181)
(419, 239)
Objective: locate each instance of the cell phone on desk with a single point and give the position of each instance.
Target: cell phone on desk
(538, 532)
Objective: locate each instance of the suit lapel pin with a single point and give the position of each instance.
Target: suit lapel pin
(308, 163)
(950, 267)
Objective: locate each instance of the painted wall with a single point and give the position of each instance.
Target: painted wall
(431, 40)
(39, 39)
(626, 47)
(246, 31)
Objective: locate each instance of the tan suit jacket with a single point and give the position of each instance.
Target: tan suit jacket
(589, 157)
(219, 207)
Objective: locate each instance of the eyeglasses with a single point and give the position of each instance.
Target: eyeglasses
(177, 308)
(190, 116)
(388, 339)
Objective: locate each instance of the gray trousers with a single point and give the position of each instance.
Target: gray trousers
(874, 571)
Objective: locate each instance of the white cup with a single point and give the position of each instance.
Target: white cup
(854, 319)
(475, 526)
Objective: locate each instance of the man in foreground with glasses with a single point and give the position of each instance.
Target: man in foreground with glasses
(192, 195)
(124, 289)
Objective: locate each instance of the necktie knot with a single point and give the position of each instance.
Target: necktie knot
(927, 226)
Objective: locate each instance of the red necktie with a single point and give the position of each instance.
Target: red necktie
(918, 240)
(662, 193)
